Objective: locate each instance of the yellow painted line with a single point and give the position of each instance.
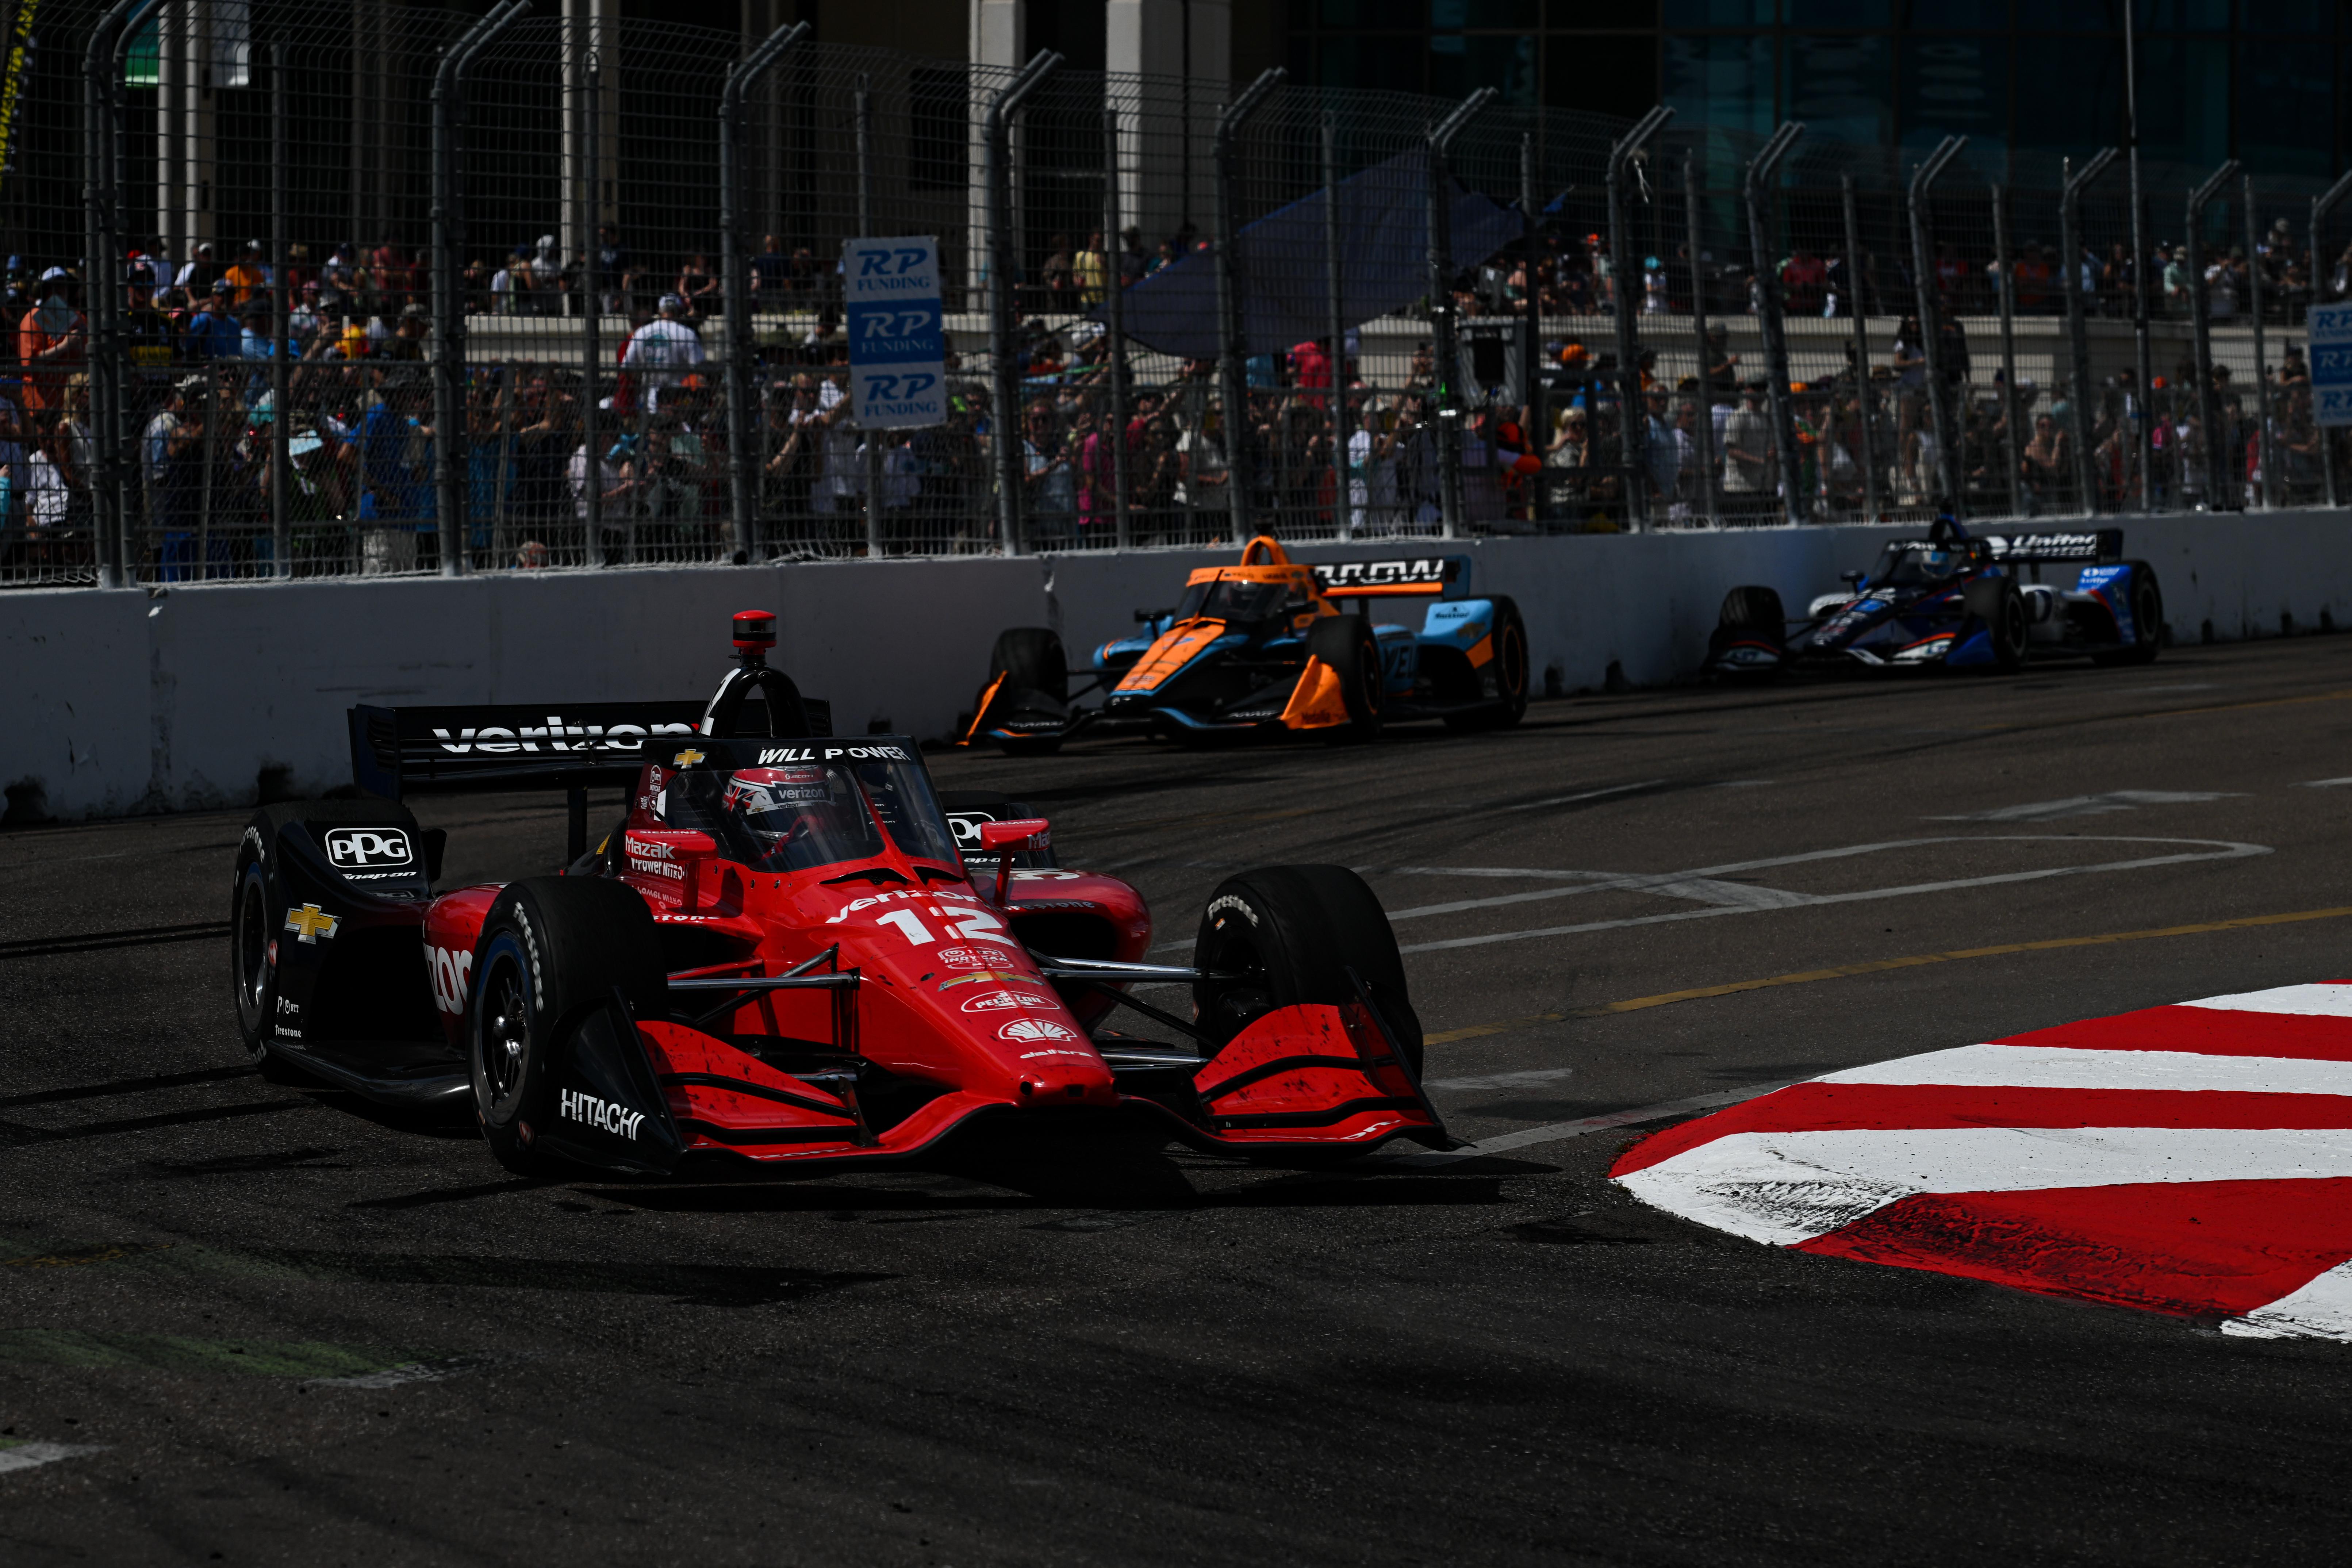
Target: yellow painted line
(1840, 971)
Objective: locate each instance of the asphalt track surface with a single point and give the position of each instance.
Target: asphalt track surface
(242, 1322)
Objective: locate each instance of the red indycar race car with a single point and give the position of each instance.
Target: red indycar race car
(780, 957)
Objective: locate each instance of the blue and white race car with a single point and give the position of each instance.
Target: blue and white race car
(1955, 600)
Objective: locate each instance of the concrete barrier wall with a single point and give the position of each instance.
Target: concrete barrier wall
(137, 700)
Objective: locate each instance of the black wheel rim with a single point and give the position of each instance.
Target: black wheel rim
(1233, 1006)
(252, 947)
(505, 1029)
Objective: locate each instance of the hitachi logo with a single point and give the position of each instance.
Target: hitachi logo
(605, 1115)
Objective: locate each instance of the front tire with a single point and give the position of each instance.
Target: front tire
(1291, 934)
(1509, 643)
(552, 951)
(1026, 661)
(1346, 645)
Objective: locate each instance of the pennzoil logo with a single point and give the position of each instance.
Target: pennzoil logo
(1003, 1001)
(311, 922)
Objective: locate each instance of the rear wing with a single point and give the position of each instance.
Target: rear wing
(1426, 575)
(401, 751)
(2095, 545)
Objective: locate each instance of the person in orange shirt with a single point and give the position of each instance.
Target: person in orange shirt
(51, 342)
(248, 279)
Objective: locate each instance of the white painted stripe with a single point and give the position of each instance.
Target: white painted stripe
(1561, 1132)
(2307, 784)
(2310, 1001)
(1788, 1187)
(2225, 851)
(1588, 795)
(1529, 1079)
(27, 1456)
(2038, 1066)
(2321, 1309)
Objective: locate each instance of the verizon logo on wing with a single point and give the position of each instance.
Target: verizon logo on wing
(555, 735)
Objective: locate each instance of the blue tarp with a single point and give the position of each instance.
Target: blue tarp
(1279, 264)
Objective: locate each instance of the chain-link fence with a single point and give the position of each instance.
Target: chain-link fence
(392, 290)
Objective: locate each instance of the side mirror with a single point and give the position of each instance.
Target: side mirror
(1145, 618)
(1851, 579)
(1023, 832)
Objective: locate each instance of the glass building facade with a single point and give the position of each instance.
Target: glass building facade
(2259, 81)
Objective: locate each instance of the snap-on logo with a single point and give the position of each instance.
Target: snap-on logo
(453, 970)
(605, 1115)
(975, 957)
(368, 848)
(1030, 1029)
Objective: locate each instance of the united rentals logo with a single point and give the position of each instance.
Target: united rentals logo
(366, 848)
(605, 1115)
(311, 922)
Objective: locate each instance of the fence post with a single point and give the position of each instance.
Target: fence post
(1923, 283)
(119, 355)
(2002, 263)
(2200, 329)
(1232, 346)
(745, 430)
(1632, 408)
(2264, 455)
(450, 479)
(1114, 254)
(98, 77)
(862, 111)
(1005, 419)
(281, 524)
(1343, 522)
(1531, 398)
(1709, 478)
(1864, 411)
(591, 325)
(1441, 306)
(1795, 506)
(2321, 206)
(2078, 347)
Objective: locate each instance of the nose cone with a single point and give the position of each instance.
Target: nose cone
(1074, 1078)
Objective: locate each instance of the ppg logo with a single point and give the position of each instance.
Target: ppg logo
(966, 827)
(367, 848)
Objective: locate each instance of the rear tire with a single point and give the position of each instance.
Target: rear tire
(1754, 606)
(1510, 648)
(1346, 644)
(1293, 932)
(554, 949)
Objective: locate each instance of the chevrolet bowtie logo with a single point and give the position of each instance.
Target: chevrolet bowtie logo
(687, 758)
(309, 922)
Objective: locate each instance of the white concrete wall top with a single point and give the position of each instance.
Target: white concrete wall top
(122, 701)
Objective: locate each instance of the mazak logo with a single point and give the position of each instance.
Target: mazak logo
(1029, 1031)
(1003, 1001)
(605, 1115)
(368, 848)
(975, 957)
(453, 973)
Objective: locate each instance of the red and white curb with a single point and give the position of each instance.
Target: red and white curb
(2195, 1160)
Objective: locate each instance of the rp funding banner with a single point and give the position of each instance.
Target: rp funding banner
(2331, 364)
(897, 331)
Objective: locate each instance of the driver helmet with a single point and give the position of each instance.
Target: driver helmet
(771, 803)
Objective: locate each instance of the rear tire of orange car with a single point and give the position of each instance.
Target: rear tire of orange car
(1510, 646)
(1346, 644)
(552, 951)
(1290, 935)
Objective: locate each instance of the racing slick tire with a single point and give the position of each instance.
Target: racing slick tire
(552, 951)
(1510, 649)
(1997, 602)
(1026, 658)
(1290, 935)
(1751, 612)
(2148, 620)
(255, 900)
(1346, 644)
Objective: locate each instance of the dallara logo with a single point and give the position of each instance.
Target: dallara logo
(605, 1115)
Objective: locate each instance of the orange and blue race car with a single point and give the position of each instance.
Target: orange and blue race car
(1271, 644)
